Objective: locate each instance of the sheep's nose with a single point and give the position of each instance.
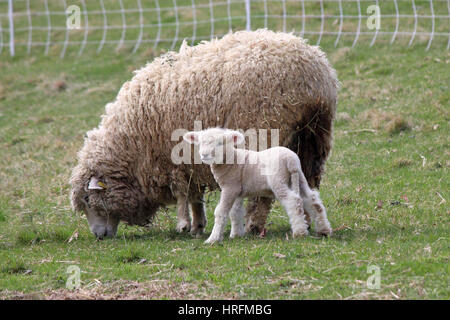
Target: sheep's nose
(100, 232)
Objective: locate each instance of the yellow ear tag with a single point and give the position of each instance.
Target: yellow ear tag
(101, 184)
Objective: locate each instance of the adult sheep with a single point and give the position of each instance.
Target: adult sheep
(259, 79)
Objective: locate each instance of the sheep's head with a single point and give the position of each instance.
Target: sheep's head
(214, 143)
(106, 201)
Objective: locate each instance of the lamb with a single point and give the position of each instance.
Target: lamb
(242, 173)
(248, 79)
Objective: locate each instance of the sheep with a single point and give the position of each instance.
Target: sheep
(276, 171)
(248, 79)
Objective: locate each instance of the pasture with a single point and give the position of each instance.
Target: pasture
(386, 189)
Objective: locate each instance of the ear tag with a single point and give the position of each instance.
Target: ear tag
(101, 184)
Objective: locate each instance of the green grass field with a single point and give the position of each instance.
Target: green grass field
(386, 189)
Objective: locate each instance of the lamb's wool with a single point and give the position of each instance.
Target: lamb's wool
(258, 79)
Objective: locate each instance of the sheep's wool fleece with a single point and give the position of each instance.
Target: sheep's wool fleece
(248, 79)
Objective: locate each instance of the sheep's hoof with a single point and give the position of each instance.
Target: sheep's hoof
(325, 233)
(184, 226)
(254, 229)
(262, 234)
(197, 231)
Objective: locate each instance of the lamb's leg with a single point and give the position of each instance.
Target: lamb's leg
(314, 205)
(184, 221)
(299, 185)
(293, 205)
(237, 214)
(198, 217)
(257, 211)
(221, 216)
(297, 181)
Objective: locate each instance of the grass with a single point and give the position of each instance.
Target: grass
(385, 188)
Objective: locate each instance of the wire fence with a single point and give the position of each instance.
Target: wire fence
(63, 25)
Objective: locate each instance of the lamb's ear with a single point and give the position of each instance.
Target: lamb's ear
(234, 136)
(96, 184)
(192, 137)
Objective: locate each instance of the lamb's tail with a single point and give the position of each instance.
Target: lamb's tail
(299, 184)
(305, 190)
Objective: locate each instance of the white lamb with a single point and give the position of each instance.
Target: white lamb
(243, 173)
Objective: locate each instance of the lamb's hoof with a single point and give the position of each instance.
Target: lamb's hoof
(212, 240)
(237, 234)
(183, 226)
(300, 233)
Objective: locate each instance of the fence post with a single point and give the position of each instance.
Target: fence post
(247, 14)
(11, 27)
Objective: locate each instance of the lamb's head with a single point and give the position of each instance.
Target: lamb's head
(106, 200)
(214, 142)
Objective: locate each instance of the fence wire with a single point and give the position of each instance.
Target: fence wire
(65, 24)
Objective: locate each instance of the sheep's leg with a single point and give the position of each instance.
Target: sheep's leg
(184, 221)
(221, 216)
(198, 217)
(293, 205)
(307, 217)
(257, 211)
(314, 205)
(237, 214)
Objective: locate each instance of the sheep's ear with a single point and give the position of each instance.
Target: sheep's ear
(192, 137)
(235, 136)
(96, 184)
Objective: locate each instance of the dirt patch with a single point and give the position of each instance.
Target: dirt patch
(402, 162)
(51, 85)
(121, 290)
(386, 120)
